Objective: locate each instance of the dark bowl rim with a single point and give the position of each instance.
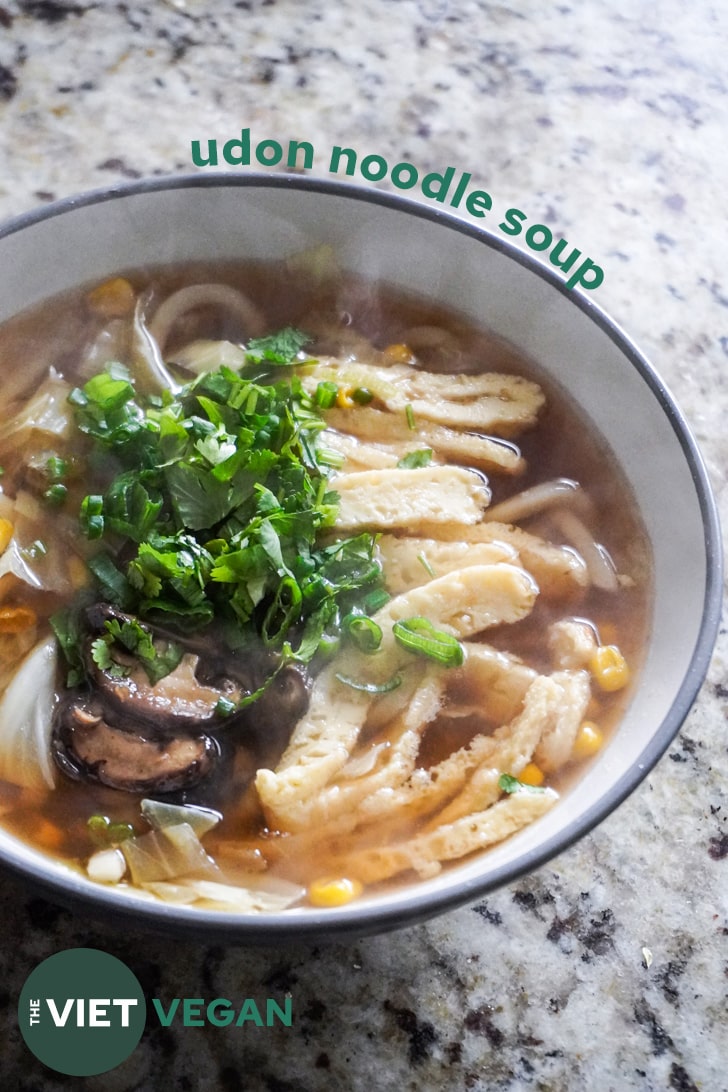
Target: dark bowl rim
(413, 907)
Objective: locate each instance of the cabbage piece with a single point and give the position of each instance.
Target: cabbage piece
(26, 714)
(110, 343)
(167, 854)
(160, 815)
(171, 892)
(47, 412)
(206, 356)
(36, 555)
(247, 899)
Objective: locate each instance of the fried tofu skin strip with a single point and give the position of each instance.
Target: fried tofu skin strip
(558, 570)
(375, 426)
(552, 713)
(361, 455)
(508, 750)
(488, 402)
(463, 603)
(335, 806)
(409, 562)
(451, 841)
(381, 499)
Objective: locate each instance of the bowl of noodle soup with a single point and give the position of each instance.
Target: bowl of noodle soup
(338, 585)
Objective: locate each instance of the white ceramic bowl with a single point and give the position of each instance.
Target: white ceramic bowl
(442, 258)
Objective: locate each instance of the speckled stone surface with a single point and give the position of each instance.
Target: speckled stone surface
(606, 121)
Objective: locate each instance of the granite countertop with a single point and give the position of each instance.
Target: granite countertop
(608, 967)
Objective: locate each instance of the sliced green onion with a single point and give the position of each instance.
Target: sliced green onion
(91, 516)
(105, 833)
(426, 565)
(326, 456)
(369, 687)
(56, 494)
(329, 645)
(362, 396)
(416, 459)
(420, 636)
(224, 706)
(325, 394)
(410, 415)
(56, 468)
(363, 631)
(98, 827)
(375, 600)
(77, 397)
(36, 549)
(283, 611)
(119, 832)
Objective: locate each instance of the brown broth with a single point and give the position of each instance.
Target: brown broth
(564, 444)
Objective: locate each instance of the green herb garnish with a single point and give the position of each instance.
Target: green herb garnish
(508, 783)
(214, 512)
(326, 394)
(104, 833)
(66, 625)
(55, 494)
(157, 658)
(280, 348)
(363, 632)
(426, 565)
(56, 468)
(369, 687)
(416, 459)
(420, 636)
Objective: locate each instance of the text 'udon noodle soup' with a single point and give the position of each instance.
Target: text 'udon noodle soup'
(305, 587)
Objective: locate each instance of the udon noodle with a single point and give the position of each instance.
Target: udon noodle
(304, 588)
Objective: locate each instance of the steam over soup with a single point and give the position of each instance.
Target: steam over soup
(305, 587)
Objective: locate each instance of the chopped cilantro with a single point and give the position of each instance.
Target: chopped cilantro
(280, 348)
(157, 658)
(508, 783)
(206, 506)
(416, 459)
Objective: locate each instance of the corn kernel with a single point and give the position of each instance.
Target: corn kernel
(112, 299)
(334, 892)
(344, 399)
(78, 571)
(531, 775)
(609, 668)
(16, 619)
(589, 740)
(399, 354)
(6, 533)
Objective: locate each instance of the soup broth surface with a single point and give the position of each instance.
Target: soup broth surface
(348, 321)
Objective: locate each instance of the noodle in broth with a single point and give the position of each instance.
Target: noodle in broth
(306, 587)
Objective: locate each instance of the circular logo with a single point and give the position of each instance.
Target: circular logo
(82, 1012)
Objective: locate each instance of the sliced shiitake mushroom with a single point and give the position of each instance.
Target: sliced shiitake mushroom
(87, 746)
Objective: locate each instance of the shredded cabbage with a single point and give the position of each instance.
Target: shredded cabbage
(167, 854)
(47, 412)
(160, 815)
(245, 899)
(26, 713)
